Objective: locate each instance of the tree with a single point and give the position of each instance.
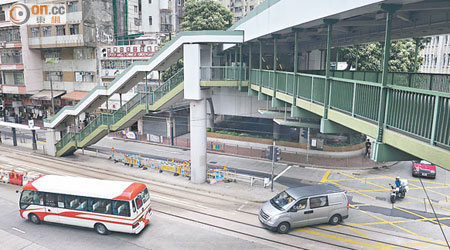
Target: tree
(205, 15)
(200, 15)
(368, 57)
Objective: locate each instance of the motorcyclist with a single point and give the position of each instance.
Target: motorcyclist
(398, 184)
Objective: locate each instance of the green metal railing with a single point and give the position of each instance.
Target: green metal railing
(419, 112)
(110, 119)
(436, 82)
(222, 73)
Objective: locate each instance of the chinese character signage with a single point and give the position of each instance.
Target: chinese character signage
(20, 13)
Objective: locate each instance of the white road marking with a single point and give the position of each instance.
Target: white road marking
(18, 230)
(242, 206)
(284, 171)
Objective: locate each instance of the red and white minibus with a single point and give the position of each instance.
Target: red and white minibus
(100, 204)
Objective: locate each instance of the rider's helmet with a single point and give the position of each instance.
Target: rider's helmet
(397, 178)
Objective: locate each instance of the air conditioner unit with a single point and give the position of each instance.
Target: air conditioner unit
(2, 44)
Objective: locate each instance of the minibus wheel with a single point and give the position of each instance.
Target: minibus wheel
(101, 229)
(283, 227)
(335, 219)
(34, 218)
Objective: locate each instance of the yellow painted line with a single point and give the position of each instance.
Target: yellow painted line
(418, 215)
(427, 202)
(325, 176)
(416, 244)
(356, 242)
(350, 190)
(368, 178)
(416, 180)
(430, 189)
(362, 180)
(399, 227)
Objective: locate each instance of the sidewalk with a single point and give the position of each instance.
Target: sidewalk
(346, 160)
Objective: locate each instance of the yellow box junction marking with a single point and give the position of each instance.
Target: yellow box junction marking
(325, 176)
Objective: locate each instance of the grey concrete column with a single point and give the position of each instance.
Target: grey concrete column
(14, 136)
(140, 126)
(50, 136)
(198, 140)
(33, 132)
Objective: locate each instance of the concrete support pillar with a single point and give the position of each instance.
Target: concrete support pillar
(140, 126)
(33, 132)
(50, 136)
(198, 140)
(14, 136)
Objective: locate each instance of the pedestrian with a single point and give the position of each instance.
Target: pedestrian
(368, 146)
(1, 137)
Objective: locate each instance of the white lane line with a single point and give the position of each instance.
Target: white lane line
(158, 197)
(284, 171)
(242, 206)
(18, 230)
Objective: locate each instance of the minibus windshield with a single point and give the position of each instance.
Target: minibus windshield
(282, 200)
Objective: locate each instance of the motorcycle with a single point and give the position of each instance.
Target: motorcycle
(398, 192)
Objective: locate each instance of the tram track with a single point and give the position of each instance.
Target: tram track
(72, 168)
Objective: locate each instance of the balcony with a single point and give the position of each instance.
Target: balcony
(56, 41)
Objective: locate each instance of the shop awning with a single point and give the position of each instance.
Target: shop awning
(74, 95)
(46, 95)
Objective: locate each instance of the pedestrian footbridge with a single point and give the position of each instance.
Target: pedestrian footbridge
(267, 54)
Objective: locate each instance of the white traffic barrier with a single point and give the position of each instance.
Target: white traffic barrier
(4, 176)
(29, 177)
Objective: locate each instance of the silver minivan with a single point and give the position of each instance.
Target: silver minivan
(303, 206)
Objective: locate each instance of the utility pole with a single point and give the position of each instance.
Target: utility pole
(51, 94)
(273, 166)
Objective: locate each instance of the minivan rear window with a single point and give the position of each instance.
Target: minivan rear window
(282, 200)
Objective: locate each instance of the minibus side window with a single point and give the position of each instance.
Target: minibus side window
(51, 200)
(300, 205)
(320, 201)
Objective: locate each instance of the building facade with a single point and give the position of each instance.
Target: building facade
(437, 55)
(240, 8)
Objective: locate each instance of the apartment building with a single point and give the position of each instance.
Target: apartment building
(240, 8)
(437, 55)
(161, 16)
(18, 74)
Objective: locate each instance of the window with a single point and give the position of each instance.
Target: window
(99, 206)
(2, 15)
(35, 32)
(73, 6)
(52, 54)
(76, 202)
(51, 200)
(142, 198)
(149, 1)
(83, 53)
(55, 76)
(46, 31)
(12, 56)
(14, 77)
(60, 30)
(10, 35)
(74, 29)
(121, 208)
(150, 20)
(31, 198)
(316, 202)
(134, 206)
(84, 76)
(282, 200)
(301, 204)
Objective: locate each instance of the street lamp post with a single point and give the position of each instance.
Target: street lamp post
(51, 94)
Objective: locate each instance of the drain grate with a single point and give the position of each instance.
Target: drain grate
(213, 162)
(381, 198)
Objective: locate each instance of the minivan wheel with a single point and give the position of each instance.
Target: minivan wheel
(283, 227)
(101, 229)
(335, 219)
(34, 218)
